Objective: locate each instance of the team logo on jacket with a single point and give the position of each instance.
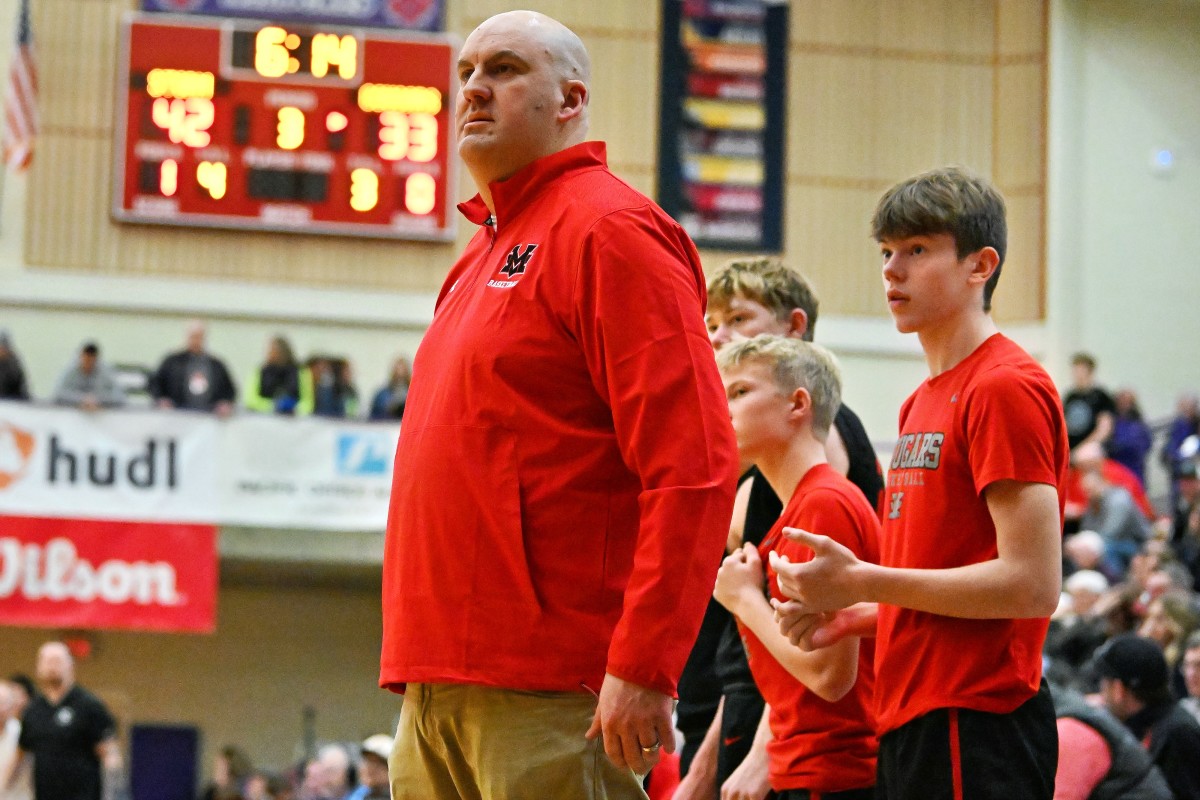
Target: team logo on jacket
(515, 264)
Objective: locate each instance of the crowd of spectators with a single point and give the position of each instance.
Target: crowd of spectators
(336, 771)
(58, 740)
(196, 380)
(1127, 631)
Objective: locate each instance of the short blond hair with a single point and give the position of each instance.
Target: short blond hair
(794, 364)
(769, 282)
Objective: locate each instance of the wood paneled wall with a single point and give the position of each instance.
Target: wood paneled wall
(878, 90)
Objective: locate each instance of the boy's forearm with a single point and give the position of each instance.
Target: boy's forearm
(995, 589)
(1023, 581)
(860, 620)
(829, 672)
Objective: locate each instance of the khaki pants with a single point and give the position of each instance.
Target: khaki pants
(463, 742)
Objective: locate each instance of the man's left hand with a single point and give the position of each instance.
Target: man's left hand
(635, 722)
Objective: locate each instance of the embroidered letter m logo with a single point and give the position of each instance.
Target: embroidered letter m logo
(518, 260)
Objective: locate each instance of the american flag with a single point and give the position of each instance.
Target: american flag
(20, 97)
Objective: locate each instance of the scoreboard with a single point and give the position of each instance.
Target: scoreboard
(258, 125)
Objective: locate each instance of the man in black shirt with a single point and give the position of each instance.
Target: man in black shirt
(745, 299)
(1088, 408)
(69, 732)
(194, 379)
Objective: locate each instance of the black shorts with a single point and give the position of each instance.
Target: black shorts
(805, 794)
(739, 721)
(959, 754)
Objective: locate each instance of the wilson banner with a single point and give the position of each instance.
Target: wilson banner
(108, 574)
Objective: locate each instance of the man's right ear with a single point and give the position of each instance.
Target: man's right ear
(575, 100)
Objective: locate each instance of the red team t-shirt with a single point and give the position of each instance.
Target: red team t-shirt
(818, 745)
(995, 416)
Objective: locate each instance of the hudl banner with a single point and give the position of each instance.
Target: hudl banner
(415, 15)
(110, 465)
(252, 469)
(107, 574)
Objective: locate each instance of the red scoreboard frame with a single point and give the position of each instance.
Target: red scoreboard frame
(269, 126)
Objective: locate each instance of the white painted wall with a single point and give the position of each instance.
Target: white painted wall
(1124, 250)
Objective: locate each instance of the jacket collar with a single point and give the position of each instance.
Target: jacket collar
(511, 195)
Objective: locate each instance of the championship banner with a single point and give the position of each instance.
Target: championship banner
(306, 473)
(134, 465)
(414, 15)
(107, 574)
(723, 121)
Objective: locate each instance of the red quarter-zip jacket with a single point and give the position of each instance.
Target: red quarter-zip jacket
(565, 474)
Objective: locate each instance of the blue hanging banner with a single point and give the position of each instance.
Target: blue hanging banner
(415, 15)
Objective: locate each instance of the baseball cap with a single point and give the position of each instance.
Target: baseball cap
(378, 745)
(1135, 661)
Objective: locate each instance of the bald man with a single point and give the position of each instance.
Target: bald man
(564, 480)
(69, 732)
(194, 379)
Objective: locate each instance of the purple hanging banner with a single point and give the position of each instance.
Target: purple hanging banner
(415, 15)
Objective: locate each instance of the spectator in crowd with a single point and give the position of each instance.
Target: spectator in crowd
(12, 374)
(193, 379)
(257, 786)
(1167, 577)
(330, 775)
(269, 786)
(23, 685)
(1078, 627)
(1169, 620)
(1112, 513)
(1186, 540)
(1086, 551)
(89, 383)
(1155, 554)
(565, 424)
(1187, 498)
(14, 767)
(1133, 684)
(69, 732)
(373, 769)
(334, 394)
(231, 769)
(1191, 674)
(1184, 425)
(1087, 407)
(280, 385)
(389, 401)
(1098, 756)
(1090, 456)
(1131, 438)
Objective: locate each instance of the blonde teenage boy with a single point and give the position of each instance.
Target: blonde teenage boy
(783, 394)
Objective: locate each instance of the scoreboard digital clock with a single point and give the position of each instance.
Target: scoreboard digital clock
(258, 125)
